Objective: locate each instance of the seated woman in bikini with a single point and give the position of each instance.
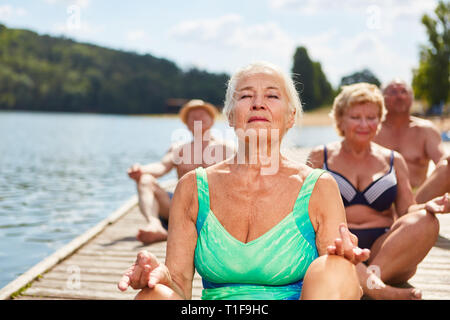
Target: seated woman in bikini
(255, 226)
(371, 179)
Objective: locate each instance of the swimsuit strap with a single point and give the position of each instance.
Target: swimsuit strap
(301, 213)
(203, 197)
(325, 157)
(392, 158)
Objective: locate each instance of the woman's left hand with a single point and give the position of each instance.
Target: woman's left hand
(347, 247)
(439, 204)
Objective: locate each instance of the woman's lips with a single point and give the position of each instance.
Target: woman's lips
(253, 119)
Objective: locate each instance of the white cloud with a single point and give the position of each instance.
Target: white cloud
(231, 32)
(8, 12)
(393, 7)
(340, 54)
(205, 30)
(380, 38)
(366, 50)
(136, 35)
(234, 42)
(79, 3)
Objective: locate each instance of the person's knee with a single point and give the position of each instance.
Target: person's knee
(423, 222)
(335, 275)
(147, 181)
(159, 292)
(431, 224)
(145, 294)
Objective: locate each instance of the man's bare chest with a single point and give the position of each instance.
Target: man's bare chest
(409, 144)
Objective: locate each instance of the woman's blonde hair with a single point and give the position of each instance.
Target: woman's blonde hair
(266, 68)
(352, 95)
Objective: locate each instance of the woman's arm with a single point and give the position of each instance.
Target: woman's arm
(405, 196)
(158, 169)
(327, 214)
(436, 184)
(406, 203)
(182, 238)
(178, 271)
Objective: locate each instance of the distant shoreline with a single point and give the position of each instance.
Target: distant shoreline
(318, 117)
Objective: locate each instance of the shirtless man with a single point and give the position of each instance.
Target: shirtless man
(417, 140)
(204, 150)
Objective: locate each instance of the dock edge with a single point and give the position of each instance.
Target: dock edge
(40, 268)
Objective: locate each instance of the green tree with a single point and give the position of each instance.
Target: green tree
(431, 80)
(360, 76)
(40, 72)
(311, 82)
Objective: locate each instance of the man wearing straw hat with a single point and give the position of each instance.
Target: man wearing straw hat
(154, 201)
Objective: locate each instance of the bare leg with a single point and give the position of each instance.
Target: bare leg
(153, 200)
(331, 278)
(375, 288)
(393, 256)
(159, 292)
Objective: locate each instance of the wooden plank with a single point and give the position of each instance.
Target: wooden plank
(64, 252)
(80, 294)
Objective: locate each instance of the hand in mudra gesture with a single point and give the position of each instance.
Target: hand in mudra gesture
(347, 247)
(147, 271)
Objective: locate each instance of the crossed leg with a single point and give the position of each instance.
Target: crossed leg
(396, 255)
(327, 278)
(153, 202)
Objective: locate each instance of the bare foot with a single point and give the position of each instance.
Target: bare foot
(392, 293)
(152, 233)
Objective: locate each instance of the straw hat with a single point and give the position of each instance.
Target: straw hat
(197, 103)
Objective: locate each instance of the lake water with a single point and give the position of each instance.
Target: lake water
(60, 174)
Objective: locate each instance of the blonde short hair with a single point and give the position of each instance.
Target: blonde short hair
(266, 68)
(352, 95)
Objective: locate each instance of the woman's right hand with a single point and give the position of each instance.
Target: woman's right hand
(147, 271)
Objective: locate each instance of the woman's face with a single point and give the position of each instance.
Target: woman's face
(360, 122)
(261, 103)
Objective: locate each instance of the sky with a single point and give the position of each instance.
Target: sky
(223, 35)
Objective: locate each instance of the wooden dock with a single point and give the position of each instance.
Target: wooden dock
(91, 265)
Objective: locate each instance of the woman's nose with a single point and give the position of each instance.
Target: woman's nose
(258, 103)
(363, 122)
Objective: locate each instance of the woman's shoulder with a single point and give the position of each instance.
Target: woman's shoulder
(187, 181)
(301, 171)
(316, 156)
(219, 167)
(386, 153)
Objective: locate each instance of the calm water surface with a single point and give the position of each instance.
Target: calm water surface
(60, 174)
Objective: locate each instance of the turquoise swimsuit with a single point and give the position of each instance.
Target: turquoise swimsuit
(269, 267)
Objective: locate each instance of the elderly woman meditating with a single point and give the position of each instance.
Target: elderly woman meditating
(255, 226)
(371, 179)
